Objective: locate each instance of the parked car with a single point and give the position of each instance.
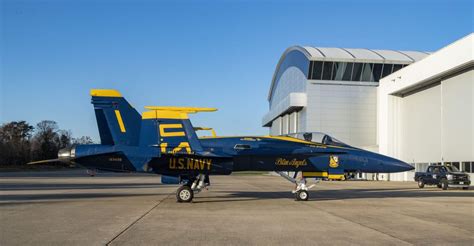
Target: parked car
(443, 177)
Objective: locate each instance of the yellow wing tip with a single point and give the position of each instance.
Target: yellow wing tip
(105, 93)
(190, 110)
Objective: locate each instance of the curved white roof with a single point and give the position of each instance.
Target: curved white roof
(342, 54)
(351, 55)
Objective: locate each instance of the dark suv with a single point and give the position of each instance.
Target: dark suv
(443, 177)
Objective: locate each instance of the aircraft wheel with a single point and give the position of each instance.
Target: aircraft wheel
(184, 194)
(92, 172)
(421, 183)
(465, 188)
(444, 184)
(439, 186)
(302, 195)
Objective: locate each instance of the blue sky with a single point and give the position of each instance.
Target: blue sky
(190, 53)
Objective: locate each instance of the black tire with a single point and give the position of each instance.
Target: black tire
(92, 172)
(302, 195)
(444, 184)
(439, 186)
(184, 194)
(465, 188)
(421, 183)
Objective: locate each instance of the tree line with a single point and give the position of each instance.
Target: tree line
(21, 142)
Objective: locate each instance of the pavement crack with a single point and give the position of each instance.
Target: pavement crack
(137, 220)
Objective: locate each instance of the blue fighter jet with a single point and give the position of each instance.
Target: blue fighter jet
(162, 140)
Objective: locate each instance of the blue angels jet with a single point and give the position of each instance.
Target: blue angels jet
(162, 140)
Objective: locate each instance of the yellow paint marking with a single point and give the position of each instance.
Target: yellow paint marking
(171, 134)
(315, 174)
(120, 121)
(105, 93)
(156, 114)
(163, 147)
(182, 145)
(333, 161)
(336, 176)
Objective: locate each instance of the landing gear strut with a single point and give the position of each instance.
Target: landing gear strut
(185, 193)
(301, 189)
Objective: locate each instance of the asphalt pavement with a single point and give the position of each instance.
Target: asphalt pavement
(71, 208)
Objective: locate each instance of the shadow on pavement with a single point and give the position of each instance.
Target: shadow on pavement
(26, 198)
(74, 186)
(328, 195)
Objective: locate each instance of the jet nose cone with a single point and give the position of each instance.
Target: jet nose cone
(403, 166)
(388, 164)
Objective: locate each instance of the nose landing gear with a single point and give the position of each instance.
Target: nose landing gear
(302, 195)
(301, 189)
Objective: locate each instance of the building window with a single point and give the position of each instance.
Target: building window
(348, 72)
(387, 69)
(466, 167)
(338, 71)
(377, 71)
(327, 70)
(397, 67)
(456, 164)
(367, 72)
(357, 71)
(317, 70)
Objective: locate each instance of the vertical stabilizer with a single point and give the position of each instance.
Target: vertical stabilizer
(118, 122)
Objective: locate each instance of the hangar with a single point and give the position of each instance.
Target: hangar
(426, 110)
(415, 106)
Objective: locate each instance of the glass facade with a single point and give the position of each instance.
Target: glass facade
(350, 71)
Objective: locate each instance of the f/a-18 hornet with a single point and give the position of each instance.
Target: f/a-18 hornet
(162, 140)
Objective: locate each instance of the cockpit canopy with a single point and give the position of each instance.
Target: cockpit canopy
(318, 137)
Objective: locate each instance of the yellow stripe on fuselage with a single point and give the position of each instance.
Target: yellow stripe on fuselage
(282, 138)
(315, 174)
(336, 176)
(120, 121)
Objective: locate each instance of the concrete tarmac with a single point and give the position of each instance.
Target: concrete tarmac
(70, 208)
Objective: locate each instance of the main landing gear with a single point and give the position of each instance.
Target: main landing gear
(301, 189)
(185, 193)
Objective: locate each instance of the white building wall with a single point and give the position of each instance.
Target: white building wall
(345, 112)
(292, 80)
(302, 120)
(435, 124)
(293, 118)
(275, 129)
(458, 118)
(284, 124)
(420, 127)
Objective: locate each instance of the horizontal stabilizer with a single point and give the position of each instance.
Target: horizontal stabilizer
(189, 110)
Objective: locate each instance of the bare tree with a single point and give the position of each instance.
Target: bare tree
(65, 139)
(45, 140)
(19, 146)
(15, 143)
(82, 140)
